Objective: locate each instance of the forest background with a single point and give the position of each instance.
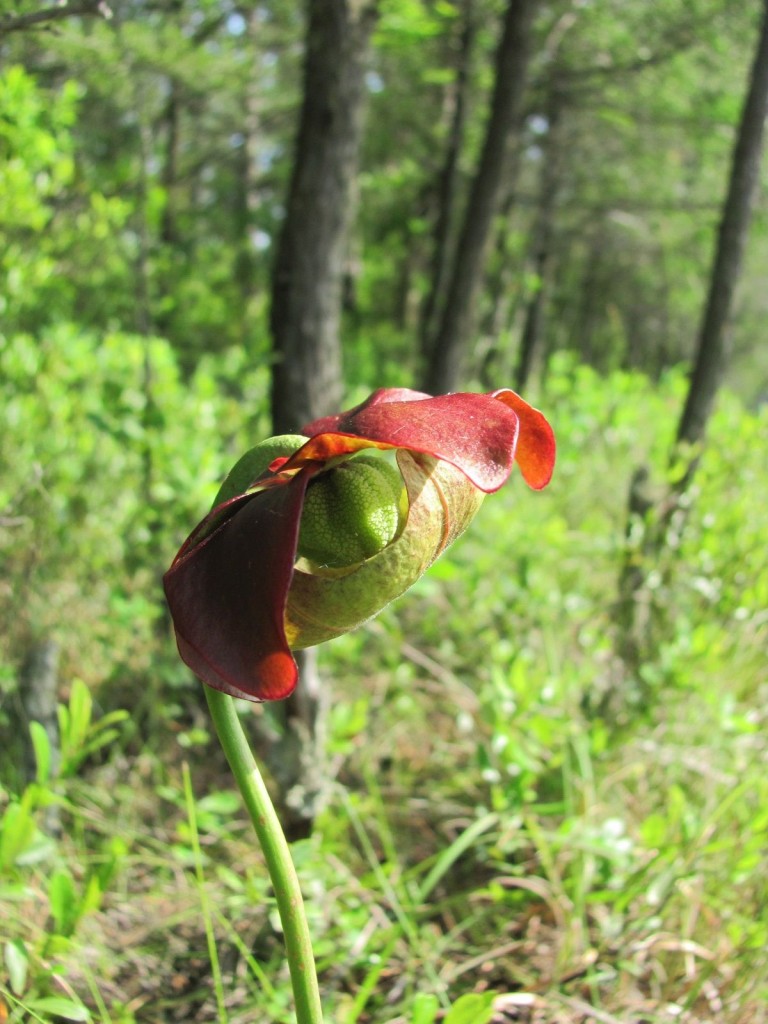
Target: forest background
(540, 781)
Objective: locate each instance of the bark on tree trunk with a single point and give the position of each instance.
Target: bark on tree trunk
(246, 199)
(307, 292)
(38, 689)
(457, 316)
(309, 265)
(170, 171)
(38, 698)
(745, 167)
(447, 185)
(543, 235)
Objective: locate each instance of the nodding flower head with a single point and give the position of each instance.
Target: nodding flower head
(308, 538)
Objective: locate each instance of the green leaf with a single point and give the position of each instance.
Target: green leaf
(425, 1007)
(80, 735)
(17, 965)
(472, 1008)
(17, 833)
(93, 894)
(223, 802)
(80, 709)
(64, 903)
(58, 1006)
(42, 747)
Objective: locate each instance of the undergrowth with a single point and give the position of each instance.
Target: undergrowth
(491, 833)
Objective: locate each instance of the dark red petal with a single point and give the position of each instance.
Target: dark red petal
(475, 433)
(379, 397)
(536, 445)
(227, 594)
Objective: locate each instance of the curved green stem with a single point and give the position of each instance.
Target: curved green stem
(276, 853)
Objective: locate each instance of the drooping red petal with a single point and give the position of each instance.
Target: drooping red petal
(536, 444)
(227, 593)
(474, 433)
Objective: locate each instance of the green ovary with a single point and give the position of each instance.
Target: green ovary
(351, 512)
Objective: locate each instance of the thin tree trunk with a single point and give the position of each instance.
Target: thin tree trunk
(246, 200)
(305, 321)
(38, 692)
(170, 171)
(457, 316)
(503, 294)
(745, 166)
(447, 184)
(309, 266)
(38, 689)
(651, 516)
(543, 236)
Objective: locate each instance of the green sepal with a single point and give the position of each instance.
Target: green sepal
(255, 463)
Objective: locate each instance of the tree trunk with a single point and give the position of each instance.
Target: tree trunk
(38, 689)
(305, 321)
(170, 171)
(651, 516)
(543, 236)
(745, 167)
(246, 199)
(447, 184)
(38, 697)
(309, 266)
(457, 317)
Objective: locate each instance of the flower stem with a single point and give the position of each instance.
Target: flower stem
(277, 854)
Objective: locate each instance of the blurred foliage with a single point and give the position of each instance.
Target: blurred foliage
(145, 161)
(107, 458)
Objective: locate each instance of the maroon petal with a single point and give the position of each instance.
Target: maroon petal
(331, 423)
(474, 433)
(227, 593)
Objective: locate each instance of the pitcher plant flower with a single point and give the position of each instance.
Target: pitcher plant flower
(308, 538)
